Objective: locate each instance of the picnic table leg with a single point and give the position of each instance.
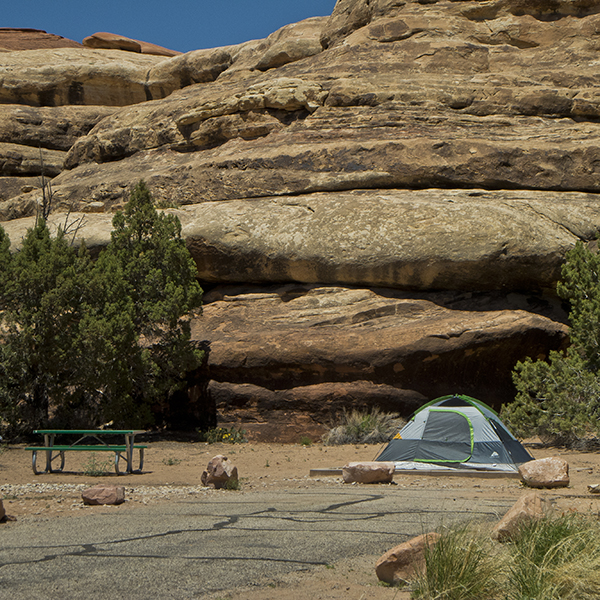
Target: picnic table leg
(129, 446)
(48, 441)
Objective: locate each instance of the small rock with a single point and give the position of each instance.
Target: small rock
(368, 472)
(530, 506)
(104, 494)
(218, 472)
(594, 488)
(545, 473)
(2, 512)
(399, 564)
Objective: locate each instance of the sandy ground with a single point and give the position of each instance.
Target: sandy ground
(173, 469)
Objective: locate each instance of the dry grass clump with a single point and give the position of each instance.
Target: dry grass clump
(549, 559)
(556, 559)
(460, 566)
(364, 427)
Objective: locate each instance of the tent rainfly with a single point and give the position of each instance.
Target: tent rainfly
(455, 432)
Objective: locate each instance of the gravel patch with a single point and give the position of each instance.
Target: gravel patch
(142, 493)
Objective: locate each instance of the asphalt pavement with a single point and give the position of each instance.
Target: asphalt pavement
(185, 549)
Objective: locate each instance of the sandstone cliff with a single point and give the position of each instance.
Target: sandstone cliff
(378, 201)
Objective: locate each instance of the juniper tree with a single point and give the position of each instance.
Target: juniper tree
(42, 299)
(146, 287)
(81, 341)
(560, 399)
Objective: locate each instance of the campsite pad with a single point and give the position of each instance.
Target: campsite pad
(177, 467)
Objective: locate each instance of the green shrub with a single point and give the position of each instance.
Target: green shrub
(556, 400)
(362, 427)
(95, 467)
(233, 484)
(222, 434)
(559, 400)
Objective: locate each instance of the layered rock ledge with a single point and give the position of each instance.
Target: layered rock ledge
(395, 150)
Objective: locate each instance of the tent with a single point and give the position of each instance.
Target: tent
(455, 432)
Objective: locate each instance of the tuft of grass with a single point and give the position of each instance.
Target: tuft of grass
(233, 484)
(170, 462)
(549, 559)
(556, 559)
(364, 427)
(95, 467)
(305, 441)
(460, 566)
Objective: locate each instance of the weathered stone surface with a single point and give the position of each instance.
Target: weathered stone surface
(487, 76)
(2, 511)
(304, 335)
(594, 488)
(368, 472)
(198, 66)
(14, 38)
(425, 240)
(104, 494)
(291, 43)
(74, 76)
(285, 415)
(218, 472)
(15, 186)
(419, 240)
(237, 62)
(400, 564)
(16, 159)
(55, 128)
(527, 507)
(427, 146)
(548, 472)
(113, 41)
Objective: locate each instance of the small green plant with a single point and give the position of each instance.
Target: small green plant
(305, 441)
(222, 434)
(458, 567)
(170, 462)
(233, 484)
(364, 427)
(95, 467)
(267, 463)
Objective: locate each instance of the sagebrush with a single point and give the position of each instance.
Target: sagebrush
(364, 427)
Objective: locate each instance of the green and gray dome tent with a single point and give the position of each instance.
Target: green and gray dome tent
(455, 432)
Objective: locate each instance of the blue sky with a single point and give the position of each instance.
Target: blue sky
(182, 25)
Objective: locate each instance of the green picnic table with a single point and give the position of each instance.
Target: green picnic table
(56, 452)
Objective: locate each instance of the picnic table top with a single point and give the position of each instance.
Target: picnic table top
(91, 431)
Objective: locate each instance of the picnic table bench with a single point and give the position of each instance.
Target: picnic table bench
(56, 452)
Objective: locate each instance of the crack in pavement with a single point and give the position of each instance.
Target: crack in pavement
(272, 513)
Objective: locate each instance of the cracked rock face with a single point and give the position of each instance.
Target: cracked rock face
(416, 147)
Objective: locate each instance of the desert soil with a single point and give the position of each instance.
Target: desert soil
(172, 470)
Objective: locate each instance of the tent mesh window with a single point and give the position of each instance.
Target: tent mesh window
(447, 438)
